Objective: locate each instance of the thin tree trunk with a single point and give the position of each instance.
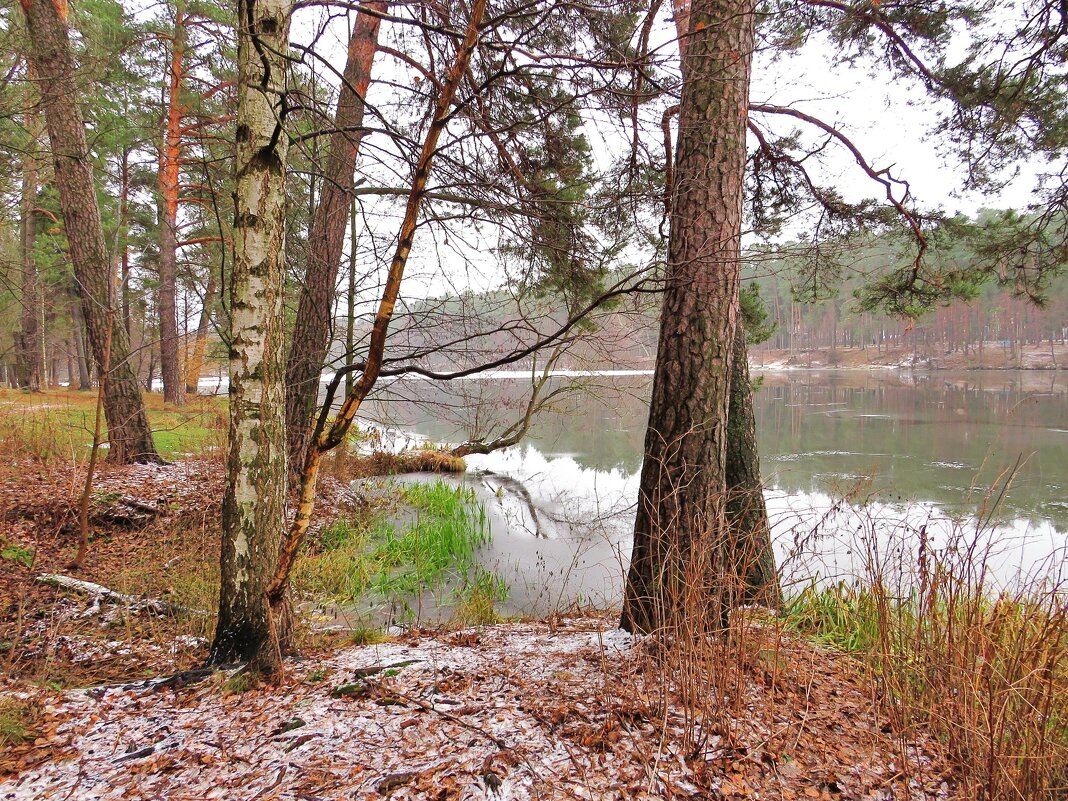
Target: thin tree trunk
(72, 371)
(350, 303)
(124, 242)
(129, 435)
(31, 353)
(254, 501)
(151, 379)
(85, 380)
(311, 331)
(325, 440)
(679, 529)
(169, 160)
(195, 364)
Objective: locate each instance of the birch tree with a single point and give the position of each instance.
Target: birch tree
(254, 502)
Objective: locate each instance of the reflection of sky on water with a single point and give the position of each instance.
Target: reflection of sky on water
(920, 450)
(561, 533)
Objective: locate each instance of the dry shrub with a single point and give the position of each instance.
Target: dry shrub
(700, 658)
(955, 649)
(956, 659)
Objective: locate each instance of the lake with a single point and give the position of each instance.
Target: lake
(913, 451)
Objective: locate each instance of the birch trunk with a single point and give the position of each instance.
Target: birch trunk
(254, 501)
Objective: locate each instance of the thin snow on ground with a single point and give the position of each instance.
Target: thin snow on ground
(552, 710)
(432, 718)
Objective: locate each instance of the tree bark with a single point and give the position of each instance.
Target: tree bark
(169, 161)
(350, 302)
(31, 352)
(751, 557)
(311, 331)
(254, 501)
(129, 435)
(679, 533)
(752, 577)
(124, 243)
(195, 365)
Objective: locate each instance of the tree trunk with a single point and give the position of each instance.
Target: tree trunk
(129, 436)
(195, 364)
(169, 159)
(31, 352)
(311, 332)
(85, 380)
(679, 529)
(752, 575)
(124, 243)
(254, 501)
(350, 303)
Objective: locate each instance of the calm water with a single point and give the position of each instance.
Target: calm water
(911, 449)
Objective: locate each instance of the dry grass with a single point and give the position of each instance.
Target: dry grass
(348, 466)
(953, 652)
(960, 667)
(56, 426)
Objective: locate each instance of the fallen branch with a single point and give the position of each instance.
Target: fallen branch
(101, 593)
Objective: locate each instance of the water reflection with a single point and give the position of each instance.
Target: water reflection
(916, 451)
(942, 438)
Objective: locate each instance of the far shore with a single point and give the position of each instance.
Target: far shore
(992, 356)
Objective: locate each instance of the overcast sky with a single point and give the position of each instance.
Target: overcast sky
(889, 121)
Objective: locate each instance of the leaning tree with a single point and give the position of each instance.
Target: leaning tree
(129, 435)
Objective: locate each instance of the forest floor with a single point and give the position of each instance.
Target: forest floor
(567, 707)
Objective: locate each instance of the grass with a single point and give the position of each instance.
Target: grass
(844, 615)
(382, 463)
(16, 553)
(58, 424)
(356, 560)
(476, 600)
(17, 718)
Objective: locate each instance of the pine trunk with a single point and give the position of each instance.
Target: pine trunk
(311, 332)
(129, 436)
(31, 338)
(750, 559)
(195, 364)
(170, 155)
(124, 243)
(679, 535)
(31, 341)
(85, 380)
(254, 501)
